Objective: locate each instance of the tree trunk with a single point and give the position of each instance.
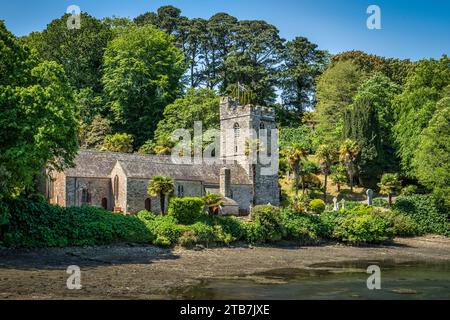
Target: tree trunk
(325, 185)
(350, 174)
(303, 185)
(296, 183)
(390, 199)
(339, 187)
(162, 203)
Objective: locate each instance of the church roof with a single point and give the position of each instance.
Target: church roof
(95, 164)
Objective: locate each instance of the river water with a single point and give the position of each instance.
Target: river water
(343, 280)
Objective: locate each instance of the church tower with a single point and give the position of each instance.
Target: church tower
(248, 137)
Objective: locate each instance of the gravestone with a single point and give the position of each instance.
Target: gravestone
(369, 193)
(343, 204)
(335, 204)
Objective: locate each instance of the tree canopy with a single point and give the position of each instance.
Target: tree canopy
(142, 69)
(37, 122)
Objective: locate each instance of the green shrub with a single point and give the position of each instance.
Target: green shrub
(409, 190)
(317, 206)
(231, 226)
(328, 222)
(254, 232)
(145, 215)
(428, 211)
(165, 229)
(361, 209)
(188, 239)
(357, 225)
(187, 210)
(301, 227)
(351, 204)
(380, 202)
(39, 224)
(362, 228)
(267, 218)
(204, 233)
(403, 226)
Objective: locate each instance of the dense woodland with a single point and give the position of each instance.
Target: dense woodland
(124, 85)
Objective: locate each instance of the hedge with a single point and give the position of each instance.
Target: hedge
(430, 212)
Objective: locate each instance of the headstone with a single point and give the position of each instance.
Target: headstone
(369, 193)
(343, 204)
(335, 204)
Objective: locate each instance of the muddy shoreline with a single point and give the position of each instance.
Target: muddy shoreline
(148, 272)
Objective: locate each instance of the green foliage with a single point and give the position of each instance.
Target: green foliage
(389, 184)
(301, 227)
(396, 70)
(186, 210)
(339, 175)
(369, 121)
(362, 228)
(37, 123)
(160, 186)
(118, 142)
(317, 206)
(296, 136)
(303, 63)
(416, 106)
(380, 202)
(432, 158)
(142, 69)
(335, 90)
(254, 59)
(266, 223)
(358, 225)
(409, 190)
(212, 202)
(89, 106)
(197, 105)
(402, 225)
(93, 135)
(430, 213)
(38, 224)
(79, 51)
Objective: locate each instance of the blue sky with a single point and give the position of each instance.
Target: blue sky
(410, 28)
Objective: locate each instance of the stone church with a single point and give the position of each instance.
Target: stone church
(118, 182)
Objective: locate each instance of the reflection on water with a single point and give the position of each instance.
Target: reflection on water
(337, 280)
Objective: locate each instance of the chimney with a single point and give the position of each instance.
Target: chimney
(225, 182)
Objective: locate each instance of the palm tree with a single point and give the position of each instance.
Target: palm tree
(161, 186)
(348, 152)
(326, 155)
(389, 184)
(295, 155)
(213, 202)
(339, 176)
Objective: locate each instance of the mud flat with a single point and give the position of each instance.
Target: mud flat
(148, 272)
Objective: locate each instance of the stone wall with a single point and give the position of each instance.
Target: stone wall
(56, 189)
(98, 188)
(137, 194)
(243, 195)
(119, 195)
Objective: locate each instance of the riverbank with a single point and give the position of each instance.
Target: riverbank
(148, 272)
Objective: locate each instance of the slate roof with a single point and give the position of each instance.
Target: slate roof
(95, 164)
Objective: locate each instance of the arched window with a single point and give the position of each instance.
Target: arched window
(105, 203)
(85, 196)
(237, 130)
(51, 188)
(180, 190)
(116, 187)
(148, 204)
